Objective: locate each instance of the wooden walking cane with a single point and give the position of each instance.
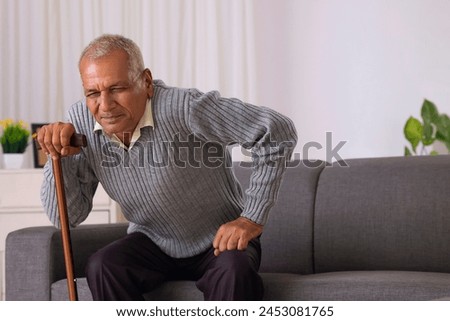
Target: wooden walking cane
(77, 140)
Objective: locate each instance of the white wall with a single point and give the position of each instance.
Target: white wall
(355, 68)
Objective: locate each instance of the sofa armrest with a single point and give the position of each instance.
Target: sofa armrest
(34, 257)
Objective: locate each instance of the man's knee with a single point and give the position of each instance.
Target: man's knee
(232, 277)
(94, 264)
(234, 262)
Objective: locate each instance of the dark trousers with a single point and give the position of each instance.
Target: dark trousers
(134, 265)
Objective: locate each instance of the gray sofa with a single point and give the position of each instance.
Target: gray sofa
(370, 229)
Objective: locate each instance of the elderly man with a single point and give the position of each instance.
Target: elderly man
(161, 153)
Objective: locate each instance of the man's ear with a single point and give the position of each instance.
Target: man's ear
(148, 77)
(148, 82)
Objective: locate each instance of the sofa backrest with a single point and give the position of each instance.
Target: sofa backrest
(287, 239)
(384, 214)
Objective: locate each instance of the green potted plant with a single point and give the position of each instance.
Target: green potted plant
(423, 134)
(14, 140)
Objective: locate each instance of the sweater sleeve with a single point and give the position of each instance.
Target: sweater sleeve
(270, 136)
(80, 185)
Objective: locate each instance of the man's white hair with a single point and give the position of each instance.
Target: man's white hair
(107, 43)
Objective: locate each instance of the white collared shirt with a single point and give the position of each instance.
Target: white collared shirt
(145, 121)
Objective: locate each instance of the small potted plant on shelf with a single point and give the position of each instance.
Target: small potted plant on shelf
(425, 135)
(14, 140)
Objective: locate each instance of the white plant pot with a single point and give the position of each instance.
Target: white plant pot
(13, 161)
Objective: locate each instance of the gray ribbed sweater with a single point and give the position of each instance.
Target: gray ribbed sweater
(176, 184)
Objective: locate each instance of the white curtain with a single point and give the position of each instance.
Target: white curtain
(206, 44)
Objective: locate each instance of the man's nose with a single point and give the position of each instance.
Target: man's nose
(106, 101)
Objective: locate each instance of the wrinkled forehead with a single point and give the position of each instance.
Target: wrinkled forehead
(114, 62)
(94, 55)
(109, 69)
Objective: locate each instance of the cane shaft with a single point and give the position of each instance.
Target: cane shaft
(65, 231)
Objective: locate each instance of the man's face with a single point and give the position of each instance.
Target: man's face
(116, 101)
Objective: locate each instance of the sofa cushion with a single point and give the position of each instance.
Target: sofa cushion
(358, 285)
(291, 219)
(59, 290)
(384, 214)
(333, 286)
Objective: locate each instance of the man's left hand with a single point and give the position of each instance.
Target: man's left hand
(235, 235)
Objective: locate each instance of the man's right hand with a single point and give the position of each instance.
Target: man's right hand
(54, 139)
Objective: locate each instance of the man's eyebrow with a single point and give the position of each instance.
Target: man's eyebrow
(90, 90)
(118, 83)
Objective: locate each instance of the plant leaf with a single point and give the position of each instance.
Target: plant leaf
(429, 112)
(428, 134)
(413, 132)
(443, 128)
(407, 152)
(440, 137)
